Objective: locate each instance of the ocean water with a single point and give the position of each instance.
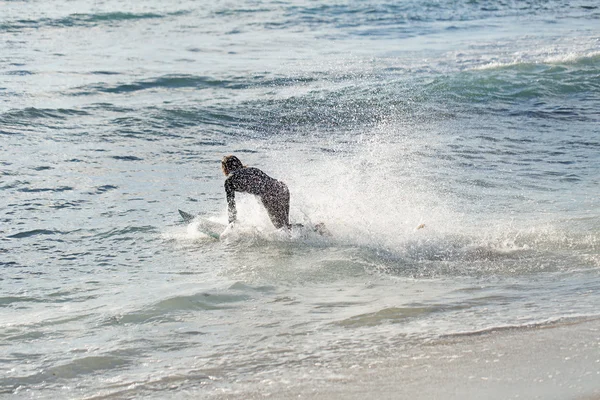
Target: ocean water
(478, 119)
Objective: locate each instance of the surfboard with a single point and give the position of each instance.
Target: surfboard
(215, 229)
(209, 228)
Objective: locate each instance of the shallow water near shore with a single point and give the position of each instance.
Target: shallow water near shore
(451, 149)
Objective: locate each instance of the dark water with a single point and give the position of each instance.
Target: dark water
(478, 119)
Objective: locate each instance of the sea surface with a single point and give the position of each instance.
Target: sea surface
(479, 119)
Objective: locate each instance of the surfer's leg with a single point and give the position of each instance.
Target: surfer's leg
(278, 207)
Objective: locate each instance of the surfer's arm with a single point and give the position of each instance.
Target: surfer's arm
(230, 192)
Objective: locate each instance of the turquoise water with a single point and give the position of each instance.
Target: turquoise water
(478, 119)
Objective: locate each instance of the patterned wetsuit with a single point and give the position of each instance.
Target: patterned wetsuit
(273, 194)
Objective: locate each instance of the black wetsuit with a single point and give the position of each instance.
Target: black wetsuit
(273, 194)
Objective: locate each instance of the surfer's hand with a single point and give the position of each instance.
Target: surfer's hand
(227, 230)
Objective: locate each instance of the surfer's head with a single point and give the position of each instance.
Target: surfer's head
(230, 164)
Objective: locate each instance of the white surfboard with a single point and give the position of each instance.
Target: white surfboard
(209, 228)
(216, 229)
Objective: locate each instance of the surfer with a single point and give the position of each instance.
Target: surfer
(273, 194)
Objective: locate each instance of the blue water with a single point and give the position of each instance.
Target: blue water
(478, 119)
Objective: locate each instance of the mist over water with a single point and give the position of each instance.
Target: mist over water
(450, 148)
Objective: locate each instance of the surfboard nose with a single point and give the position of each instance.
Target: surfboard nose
(187, 217)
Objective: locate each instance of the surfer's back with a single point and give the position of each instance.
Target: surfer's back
(250, 180)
